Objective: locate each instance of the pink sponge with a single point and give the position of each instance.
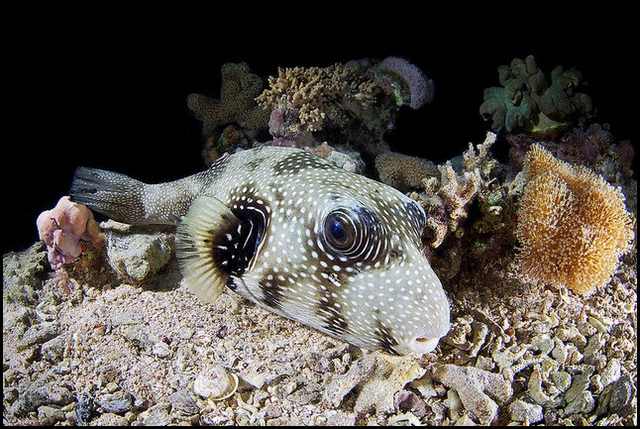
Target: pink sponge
(64, 227)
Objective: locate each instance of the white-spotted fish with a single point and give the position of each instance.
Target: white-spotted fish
(297, 235)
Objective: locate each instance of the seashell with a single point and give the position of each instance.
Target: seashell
(215, 384)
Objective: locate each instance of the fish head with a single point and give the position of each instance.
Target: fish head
(370, 254)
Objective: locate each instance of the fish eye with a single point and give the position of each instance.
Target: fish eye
(339, 230)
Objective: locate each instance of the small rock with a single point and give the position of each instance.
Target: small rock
(185, 333)
(183, 402)
(340, 386)
(38, 394)
(21, 318)
(424, 385)
(617, 397)
(522, 411)
(53, 350)
(161, 349)
(543, 343)
(580, 404)
(471, 384)
(580, 384)
(137, 257)
(84, 408)
(562, 380)
(272, 410)
(118, 403)
(22, 273)
(38, 334)
(611, 372)
(10, 394)
(559, 352)
(50, 415)
(409, 401)
(339, 418)
(391, 374)
(139, 337)
(534, 387)
(214, 382)
(158, 415)
(110, 419)
(111, 387)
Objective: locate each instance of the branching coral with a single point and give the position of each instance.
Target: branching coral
(572, 225)
(446, 200)
(402, 171)
(236, 104)
(527, 101)
(312, 97)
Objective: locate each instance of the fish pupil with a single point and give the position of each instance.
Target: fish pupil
(337, 230)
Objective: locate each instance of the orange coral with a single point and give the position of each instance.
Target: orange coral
(572, 225)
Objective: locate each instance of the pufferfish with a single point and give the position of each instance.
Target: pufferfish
(296, 235)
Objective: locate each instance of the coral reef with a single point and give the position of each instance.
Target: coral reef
(130, 345)
(64, 228)
(235, 107)
(572, 225)
(406, 81)
(402, 171)
(528, 101)
(354, 103)
(446, 199)
(594, 147)
(308, 99)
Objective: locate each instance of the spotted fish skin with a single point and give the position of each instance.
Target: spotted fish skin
(334, 250)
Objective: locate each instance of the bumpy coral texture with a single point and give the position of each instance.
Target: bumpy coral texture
(447, 199)
(527, 101)
(236, 104)
(572, 225)
(309, 98)
(63, 228)
(403, 171)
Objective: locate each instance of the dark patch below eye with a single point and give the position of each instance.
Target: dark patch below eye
(334, 320)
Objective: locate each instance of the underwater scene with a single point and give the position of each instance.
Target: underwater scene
(314, 264)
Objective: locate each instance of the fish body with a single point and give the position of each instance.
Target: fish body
(298, 236)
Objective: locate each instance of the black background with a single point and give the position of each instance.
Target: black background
(113, 95)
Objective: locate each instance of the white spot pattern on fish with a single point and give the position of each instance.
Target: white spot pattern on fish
(337, 251)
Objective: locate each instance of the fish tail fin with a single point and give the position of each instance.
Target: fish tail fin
(115, 195)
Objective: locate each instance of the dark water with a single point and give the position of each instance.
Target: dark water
(118, 101)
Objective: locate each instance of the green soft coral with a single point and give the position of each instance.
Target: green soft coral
(527, 102)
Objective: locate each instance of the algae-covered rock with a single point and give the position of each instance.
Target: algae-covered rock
(22, 273)
(137, 255)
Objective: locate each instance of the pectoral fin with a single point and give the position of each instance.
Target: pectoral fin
(203, 239)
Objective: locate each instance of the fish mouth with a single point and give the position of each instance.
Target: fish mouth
(419, 345)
